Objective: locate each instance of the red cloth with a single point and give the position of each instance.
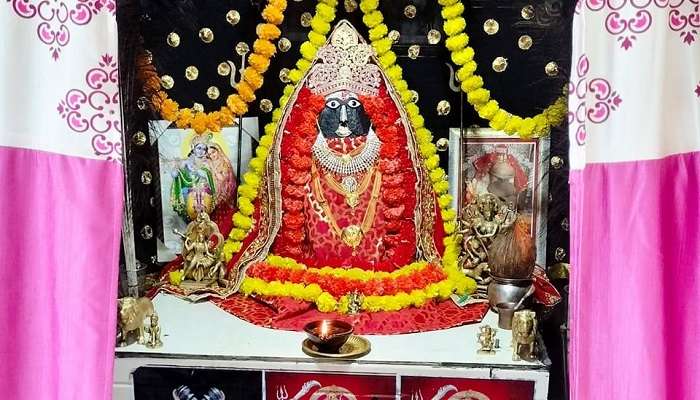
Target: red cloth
(292, 315)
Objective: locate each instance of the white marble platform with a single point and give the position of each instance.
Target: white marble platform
(203, 335)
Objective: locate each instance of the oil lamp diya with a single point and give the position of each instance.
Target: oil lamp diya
(328, 335)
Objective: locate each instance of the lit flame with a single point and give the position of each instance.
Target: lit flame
(325, 328)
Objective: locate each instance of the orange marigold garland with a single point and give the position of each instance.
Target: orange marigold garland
(237, 103)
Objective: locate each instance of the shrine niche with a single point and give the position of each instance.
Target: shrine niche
(332, 220)
(347, 216)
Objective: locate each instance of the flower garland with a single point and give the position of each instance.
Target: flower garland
(237, 103)
(248, 190)
(340, 281)
(296, 151)
(479, 97)
(397, 295)
(455, 282)
(378, 31)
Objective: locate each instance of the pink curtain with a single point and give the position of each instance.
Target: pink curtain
(61, 206)
(635, 201)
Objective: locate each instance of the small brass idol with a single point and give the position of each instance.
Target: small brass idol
(487, 340)
(154, 341)
(482, 220)
(524, 335)
(201, 253)
(355, 300)
(131, 315)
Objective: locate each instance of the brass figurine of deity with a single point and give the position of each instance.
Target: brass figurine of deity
(201, 253)
(355, 300)
(482, 220)
(131, 315)
(487, 340)
(154, 341)
(524, 335)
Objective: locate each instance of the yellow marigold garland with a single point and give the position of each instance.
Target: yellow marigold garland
(480, 98)
(237, 103)
(455, 282)
(325, 302)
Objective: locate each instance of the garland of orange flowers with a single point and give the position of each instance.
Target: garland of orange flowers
(243, 222)
(237, 103)
(455, 282)
(388, 291)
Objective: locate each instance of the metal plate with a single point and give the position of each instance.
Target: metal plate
(355, 347)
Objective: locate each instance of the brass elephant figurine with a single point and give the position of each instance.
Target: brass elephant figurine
(130, 318)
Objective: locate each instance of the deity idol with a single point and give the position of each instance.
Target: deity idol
(346, 211)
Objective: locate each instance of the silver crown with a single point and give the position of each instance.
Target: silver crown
(344, 63)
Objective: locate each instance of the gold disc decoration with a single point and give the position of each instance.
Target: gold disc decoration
(213, 92)
(223, 68)
(499, 64)
(306, 19)
(443, 107)
(413, 51)
(284, 75)
(265, 105)
(394, 35)
(525, 42)
(242, 48)
(556, 162)
(173, 39)
(191, 73)
(350, 5)
(491, 26)
(442, 144)
(414, 96)
(528, 12)
(284, 44)
(559, 254)
(410, 11)
(551, 69)
(167, 82)
(142, 103)
(146, 232)
(207, 35)
(434, 36)
(198, 107)
(139, 138)
(146, 177)
(233, 17)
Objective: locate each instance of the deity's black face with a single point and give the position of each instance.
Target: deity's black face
(343, 116)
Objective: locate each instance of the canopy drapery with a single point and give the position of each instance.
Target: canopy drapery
(635, 200)
(61, 207)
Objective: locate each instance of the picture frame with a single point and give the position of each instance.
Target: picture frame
(484, 160)
(173, 148)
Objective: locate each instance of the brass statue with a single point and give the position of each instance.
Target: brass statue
(487, 339)
(201, 252)
(355, 300)
(524, 335)
(482, 219)
(131, 314)
(154, 341)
